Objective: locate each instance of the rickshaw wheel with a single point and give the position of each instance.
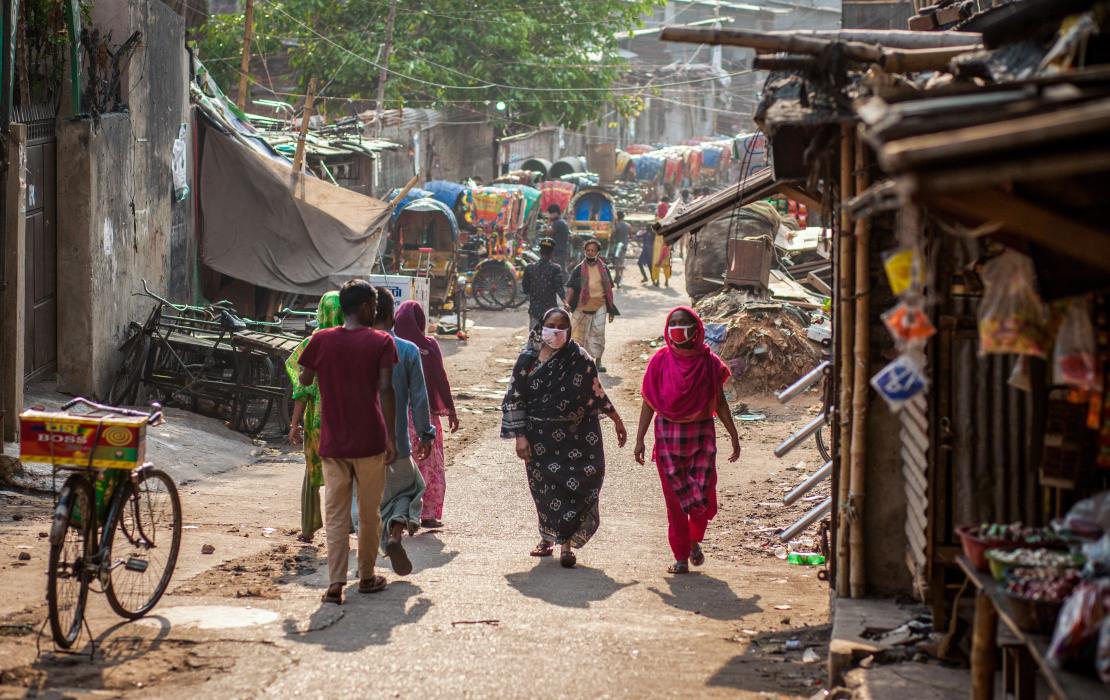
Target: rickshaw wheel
(494, 286)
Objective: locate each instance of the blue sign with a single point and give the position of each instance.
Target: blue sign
(900, 381)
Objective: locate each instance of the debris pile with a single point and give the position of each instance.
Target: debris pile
(764, 343)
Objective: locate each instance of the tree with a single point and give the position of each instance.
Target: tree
(523, 62)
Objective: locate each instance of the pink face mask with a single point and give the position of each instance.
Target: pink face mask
(680, 334)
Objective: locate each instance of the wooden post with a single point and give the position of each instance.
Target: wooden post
(309, 102)
(383, 74)
(245, 61)
(984, 641)
(844, 326)
(861, 351)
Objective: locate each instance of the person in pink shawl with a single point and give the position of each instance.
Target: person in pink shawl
(683, 389)
(410, 324)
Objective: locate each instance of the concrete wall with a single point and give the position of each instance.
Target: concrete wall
(116, 207)
(13, 253)
(458, 151)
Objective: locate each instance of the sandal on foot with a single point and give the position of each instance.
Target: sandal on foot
(374, 584)
(568, 560)
(334, 594)
(398, 558)
(697, 557)
(430, 523)
(543, 549)
(679, 567)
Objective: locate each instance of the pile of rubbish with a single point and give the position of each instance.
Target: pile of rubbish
(767, 345)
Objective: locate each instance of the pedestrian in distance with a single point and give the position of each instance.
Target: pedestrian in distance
(618, 243)
(559, 232)
(410, 325)
(590, 299)
(552, 411)
(683, 389)
(403, 494)
(660, 261)
(662, 208)
(353, 364)
(543, 283)
(305, 425)
(647, 239)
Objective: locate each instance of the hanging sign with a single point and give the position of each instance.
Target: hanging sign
(900, 381)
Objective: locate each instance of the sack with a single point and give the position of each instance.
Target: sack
(1073, 357)
(1011, 313)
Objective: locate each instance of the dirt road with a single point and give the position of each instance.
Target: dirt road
(478, 617)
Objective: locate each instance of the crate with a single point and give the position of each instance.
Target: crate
(64, 440)
(749, 263)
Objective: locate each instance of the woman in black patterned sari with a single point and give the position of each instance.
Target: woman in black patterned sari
(552, 410)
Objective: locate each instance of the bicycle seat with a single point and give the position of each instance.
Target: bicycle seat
(231, 322)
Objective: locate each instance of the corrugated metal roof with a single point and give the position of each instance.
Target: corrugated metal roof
(417, 118)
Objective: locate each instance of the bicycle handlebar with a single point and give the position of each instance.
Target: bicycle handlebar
(154, 417)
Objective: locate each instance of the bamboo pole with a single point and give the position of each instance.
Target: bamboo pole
(306, 116)
(844, 328)
(383, 75)
(245, 61)
(861, 351)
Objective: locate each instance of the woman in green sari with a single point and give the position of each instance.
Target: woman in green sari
(306, 418)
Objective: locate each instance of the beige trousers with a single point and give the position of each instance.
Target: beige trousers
(588, 330)
(367, 475)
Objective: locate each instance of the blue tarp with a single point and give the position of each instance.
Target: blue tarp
(587, 202)
(414, 193)
(445, 191)
(426, 204)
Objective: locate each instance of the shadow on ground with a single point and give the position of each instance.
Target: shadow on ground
(705, 595)
(766, 666)
(363, 620)
(568, 588)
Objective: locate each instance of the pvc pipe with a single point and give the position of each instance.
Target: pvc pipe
(804, 383)
(808, 519)
(797, 438)
(807, 485)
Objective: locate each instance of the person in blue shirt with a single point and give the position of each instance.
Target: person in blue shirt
(402, 498)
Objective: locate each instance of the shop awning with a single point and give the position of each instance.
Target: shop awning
(756, 186)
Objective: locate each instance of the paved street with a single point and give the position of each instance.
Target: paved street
(478, 617)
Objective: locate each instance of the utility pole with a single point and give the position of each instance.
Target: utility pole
(245, 62)
(310, 100)
(383, 74)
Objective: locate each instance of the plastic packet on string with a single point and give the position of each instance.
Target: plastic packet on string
(1073, 356)
(908, 324)
(1011, 313)
(901, 380)
(900, 265)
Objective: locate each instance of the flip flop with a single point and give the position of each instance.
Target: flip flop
(679, 567)
(335, 598)
(543, 549)
(372, 585)
(697, 557)
(398, 558)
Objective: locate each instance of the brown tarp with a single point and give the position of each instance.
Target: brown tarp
(256, 229)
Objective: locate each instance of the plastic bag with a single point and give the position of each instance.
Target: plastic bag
(178, 165)
(1073, 357)
(1078, 623)
(1011, 313)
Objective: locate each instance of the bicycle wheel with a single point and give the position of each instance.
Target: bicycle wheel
(252, 410)
(125, 386)
(822, 448)
(145, 543)
(67, 579)
(495, 286)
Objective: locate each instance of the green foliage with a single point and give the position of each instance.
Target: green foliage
(550, 61)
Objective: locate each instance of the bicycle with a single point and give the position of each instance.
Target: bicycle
(114, 523)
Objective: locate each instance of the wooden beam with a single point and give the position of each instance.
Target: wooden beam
(893, 38)
(1040, 166)
(245, 60)
(958, 144)
(800, 195)
(819, 284)
(306, 116)
(1032, 222)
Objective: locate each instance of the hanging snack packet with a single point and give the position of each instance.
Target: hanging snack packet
(1073, 357)
(900, 381)
(909, 324)
(1011, 313)
(900, 264)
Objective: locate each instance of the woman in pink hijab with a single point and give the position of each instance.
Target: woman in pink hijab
(683, 389)
(410, 324)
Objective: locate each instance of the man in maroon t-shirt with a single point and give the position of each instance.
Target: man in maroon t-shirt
(353, 367)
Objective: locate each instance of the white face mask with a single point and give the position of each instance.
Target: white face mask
(555, 338)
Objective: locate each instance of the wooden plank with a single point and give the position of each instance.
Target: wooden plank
(799, 195)
(819, 284)
(1073, 238)
(1025, 167)
(1022, 132)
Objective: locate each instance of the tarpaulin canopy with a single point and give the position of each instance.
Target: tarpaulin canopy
(426, 205)
(412, 195)
(255, 228)
(445, 191)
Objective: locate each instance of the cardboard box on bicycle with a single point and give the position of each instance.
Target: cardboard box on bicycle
(66, 440)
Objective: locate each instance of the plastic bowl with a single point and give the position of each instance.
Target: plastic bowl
(975, 548)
